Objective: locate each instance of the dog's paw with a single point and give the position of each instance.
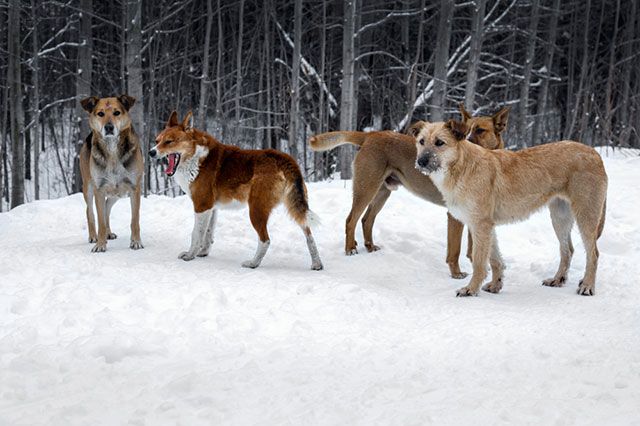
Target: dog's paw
(554, 282)
(371, 247)
(585, 289)
(250, 264)
(99, 248)
(136, 245)
(459, 275)
(351, 252)
(317, 266)
(203, 254)
(493, 287)
(186, 256)
(465, 291)
(93, 240)
(111, 236)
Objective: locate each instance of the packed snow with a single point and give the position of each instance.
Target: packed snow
(143, 338)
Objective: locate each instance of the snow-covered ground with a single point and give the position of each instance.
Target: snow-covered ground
(142, 338)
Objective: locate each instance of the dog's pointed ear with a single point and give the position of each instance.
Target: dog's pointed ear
(173, 120)
(416, 128)
(458, 129)
(187, 123)
(465, 114)
(500, 119)
(89, 104)
(127, 101)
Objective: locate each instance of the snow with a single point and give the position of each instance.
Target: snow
(142, 338)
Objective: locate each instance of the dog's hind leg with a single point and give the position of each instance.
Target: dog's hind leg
(200, 225)
(87, 191)
(136, 242)
(588, 215)
(562, 220)
(259, 218)
(370, 216)
(497, 267)
(454, 240)
(316, 263)
(208, 235)
(110, 202)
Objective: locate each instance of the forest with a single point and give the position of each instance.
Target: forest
(270, 73)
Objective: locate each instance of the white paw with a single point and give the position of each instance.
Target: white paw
(493, 287)
(554, 282)
(136, 245)
(111, 236)
(317, 266)
(351, 252)
(250, 264)
(586, 290)
(459, 275)
(465, 291)
(186, 256)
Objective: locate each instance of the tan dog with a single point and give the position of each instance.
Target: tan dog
(484, 188)
(215, 174)
(385, 161)
(111, 166)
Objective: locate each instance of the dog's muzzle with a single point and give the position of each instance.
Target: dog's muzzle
(108, 129)
(427, 163)
(153, 152)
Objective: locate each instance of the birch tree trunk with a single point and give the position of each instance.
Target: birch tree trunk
(204, 78)
(134, 78)
(294, 115)
(442, 57)
(347, 96)
(528, 66)
(541, 107)
(17, 117)
(83, 85)
(477, 33)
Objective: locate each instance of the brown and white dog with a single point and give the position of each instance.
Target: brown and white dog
(386, 160)
(111, 166)
(214, 174)
(484, 188)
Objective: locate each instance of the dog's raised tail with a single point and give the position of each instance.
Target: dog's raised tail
(296, 200)
(327, 141)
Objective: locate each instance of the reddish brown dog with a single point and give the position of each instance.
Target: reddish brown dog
(215, 174)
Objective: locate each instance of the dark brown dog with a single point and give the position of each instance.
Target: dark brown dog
(386, 160)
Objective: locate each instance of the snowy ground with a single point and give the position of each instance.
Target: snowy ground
(143, 338)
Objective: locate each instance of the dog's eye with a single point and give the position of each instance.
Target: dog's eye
(479, 131)
(167, 142)
(116, 113)
(421, 141)
(101, 114)
(439, 142)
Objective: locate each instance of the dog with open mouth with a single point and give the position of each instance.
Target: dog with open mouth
(484, 188)
(214, 175)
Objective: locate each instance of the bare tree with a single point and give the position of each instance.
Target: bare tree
(477, 33)
(204, 77)
(84, 74)
(347, 97)
(528, 66)
(17, 116)
(294, 115)
(134, 76)
(442, 57)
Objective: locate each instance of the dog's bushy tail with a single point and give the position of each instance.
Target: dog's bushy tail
(296, 199)
(327, 141)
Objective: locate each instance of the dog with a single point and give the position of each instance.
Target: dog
(214, 175)
(111, 167)
(484, 188)
(386, 160)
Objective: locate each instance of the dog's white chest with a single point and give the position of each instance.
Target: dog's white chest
(183, 179)
(459, 212)
(188, 171)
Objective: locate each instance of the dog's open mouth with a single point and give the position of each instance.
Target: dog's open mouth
(174, 160)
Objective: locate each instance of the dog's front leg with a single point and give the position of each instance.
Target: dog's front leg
(482, 244)
(208, 236)
(136, 242)
(101, 209)
(200, 224)
(497, 267)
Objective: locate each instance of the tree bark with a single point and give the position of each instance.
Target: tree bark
(442, 57)
(625, 80)
(239, 62)
(294, 116)
(477, 33)
(347, 96)
(17, 117)
(35, 102)
(83, 86)
(204, 78)
(528, 66)
(608, 128)
(134, 77)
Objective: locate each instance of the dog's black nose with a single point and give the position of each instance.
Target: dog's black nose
(108, 128)
(152, 153)
(423, 161)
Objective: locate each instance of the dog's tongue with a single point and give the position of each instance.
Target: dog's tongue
(173, 162)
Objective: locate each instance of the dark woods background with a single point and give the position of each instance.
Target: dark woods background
(269, 73)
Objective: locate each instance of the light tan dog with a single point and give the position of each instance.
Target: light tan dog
(385, 161)
(484, 188)
(111, 166)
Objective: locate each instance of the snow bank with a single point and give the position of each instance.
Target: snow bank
(142, 338)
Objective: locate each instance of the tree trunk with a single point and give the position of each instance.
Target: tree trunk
(318, 156)
(571, 123)
(625, 80)
(477, 33)
(35, 102)
(548, 63)
(204, 78)
(608, 128)
(347, 96)
(83, 86)
(528, 66)
(134, 77)
(412, 79)
(17, 117)
(442, 57)
(239, 63)
(294, 117)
